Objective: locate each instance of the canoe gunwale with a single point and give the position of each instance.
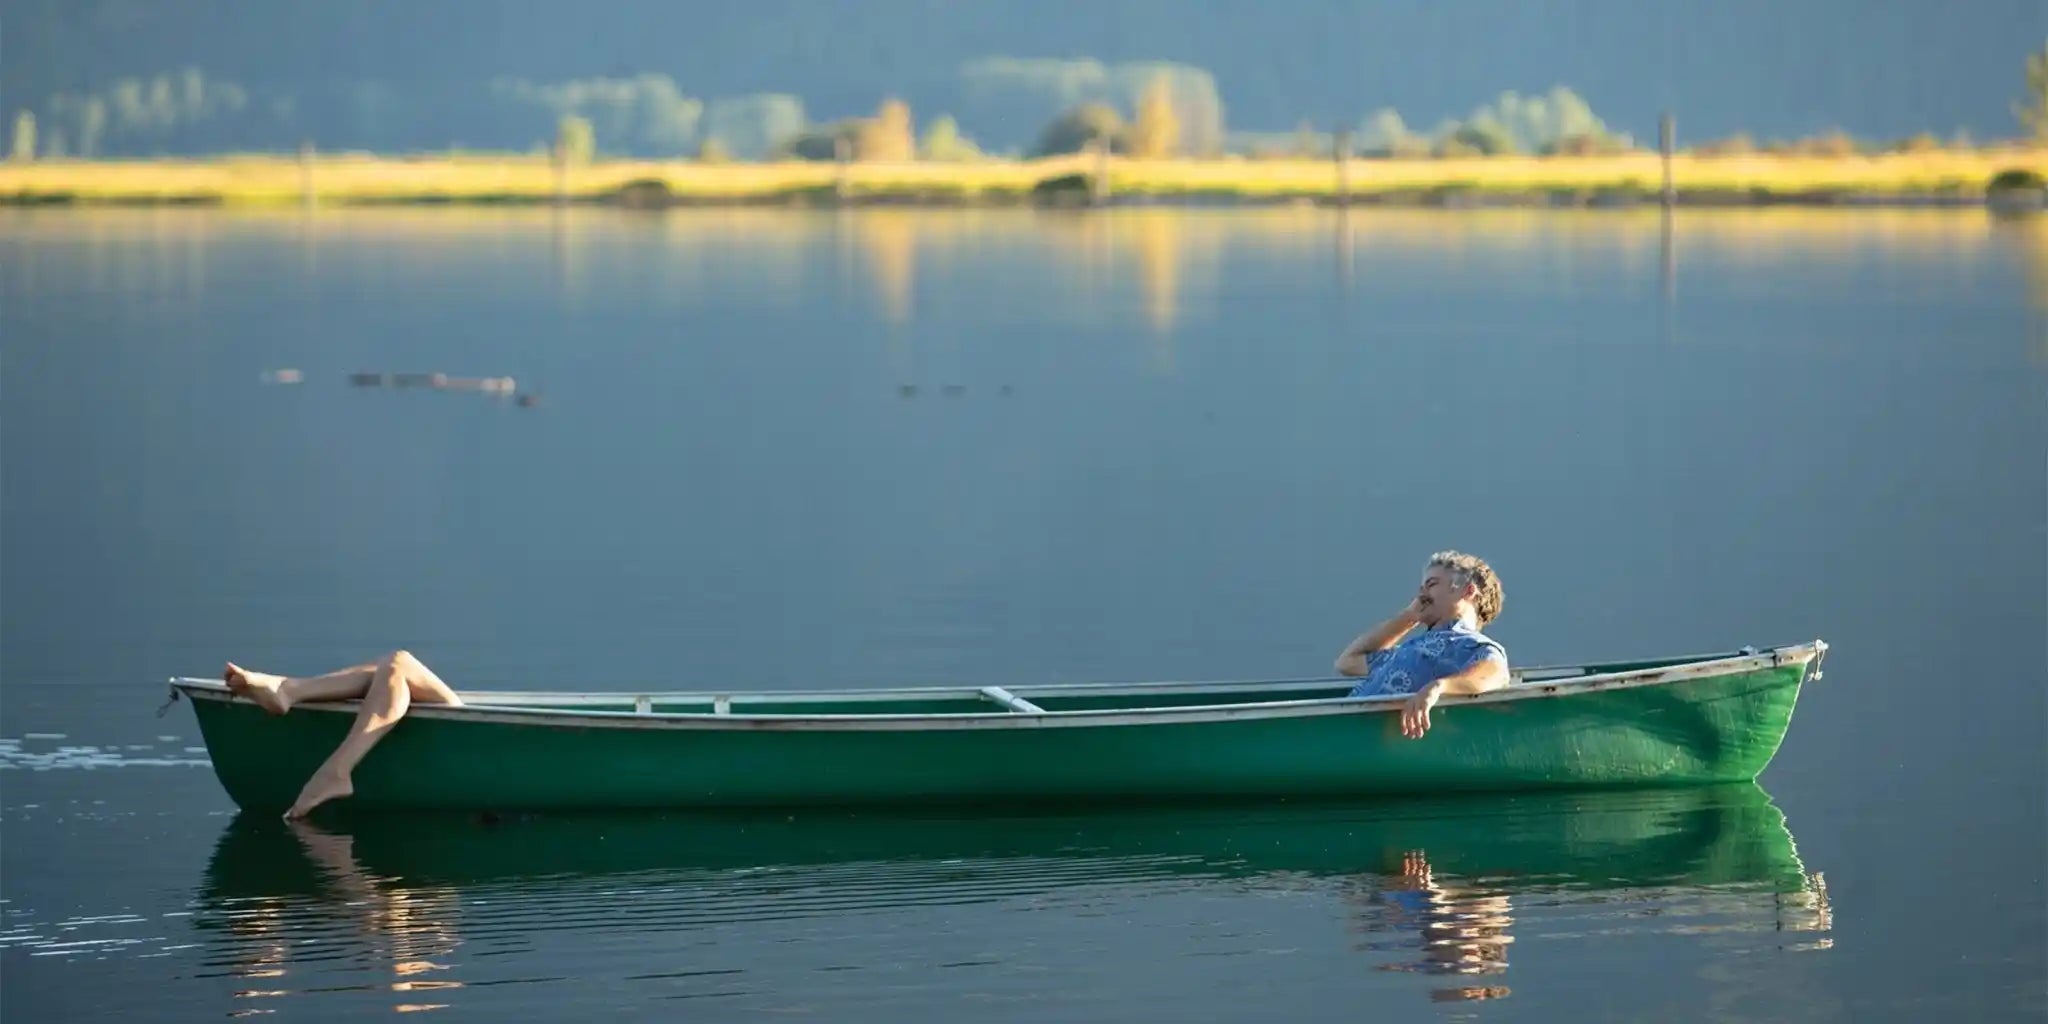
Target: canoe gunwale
(548, 709)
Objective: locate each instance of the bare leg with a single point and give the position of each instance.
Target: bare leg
(277, 694)
(426, 687)
(394, 684)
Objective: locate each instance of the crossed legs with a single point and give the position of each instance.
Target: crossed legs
(387, 688)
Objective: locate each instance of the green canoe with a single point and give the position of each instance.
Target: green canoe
(1678, 721)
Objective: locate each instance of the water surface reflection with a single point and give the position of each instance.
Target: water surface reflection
(410, 911)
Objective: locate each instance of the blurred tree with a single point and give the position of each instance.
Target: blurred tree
(818, 143)
(888, 136)
(943, 142)
(1010, 91)
(1309, 144)
(574, 140)
(1383, 133)
(1454, 146)
(1540, 123)
(1834, 143)
(2033, 110)
(1734, 145)
(645, 115)
(1190, 93)
(1155, 132)
(24, 137)
(757, 125)
(168, 113)
(1074, 130)
(92, 122)
(1583, 145)
(1483, 136)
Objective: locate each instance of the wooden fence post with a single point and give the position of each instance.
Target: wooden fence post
(1342, 150)
(1667, 136)
(1098, 182)
(842, 154)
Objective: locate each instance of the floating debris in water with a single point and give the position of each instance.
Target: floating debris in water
(487, 385)
(500, 386)
(949, 390)
(286, 376)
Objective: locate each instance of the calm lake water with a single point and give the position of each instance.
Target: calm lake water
(777, 448)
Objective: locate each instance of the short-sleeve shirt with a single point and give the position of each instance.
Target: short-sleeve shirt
(1424, 658)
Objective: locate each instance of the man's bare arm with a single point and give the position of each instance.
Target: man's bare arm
(1488, 673)
(1378, 638)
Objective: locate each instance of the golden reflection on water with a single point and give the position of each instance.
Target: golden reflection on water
(2026, 237)
(1170, 259)
(888, 240)
(409, 932)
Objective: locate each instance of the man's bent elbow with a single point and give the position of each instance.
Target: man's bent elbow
(1498, 679)
(1350, 666)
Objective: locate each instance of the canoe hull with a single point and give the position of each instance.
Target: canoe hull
(1694, 731)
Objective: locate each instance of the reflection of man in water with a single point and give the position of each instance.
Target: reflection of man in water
(1463, 931)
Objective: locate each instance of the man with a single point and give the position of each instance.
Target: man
(1459, 593)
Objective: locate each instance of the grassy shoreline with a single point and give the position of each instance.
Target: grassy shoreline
(1944, 176)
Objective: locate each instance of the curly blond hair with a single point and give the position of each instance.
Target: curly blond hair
(1472, 569)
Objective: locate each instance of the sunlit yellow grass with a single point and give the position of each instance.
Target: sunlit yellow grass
(345, 179)
(351, 178)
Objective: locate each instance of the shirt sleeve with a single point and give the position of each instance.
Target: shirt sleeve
(1468, 651)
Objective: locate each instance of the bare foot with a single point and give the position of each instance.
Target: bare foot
(261, 687)
(319, 789)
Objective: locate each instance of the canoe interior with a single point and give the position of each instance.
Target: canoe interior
(969, 702)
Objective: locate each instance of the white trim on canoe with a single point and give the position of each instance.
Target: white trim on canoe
(573, 710)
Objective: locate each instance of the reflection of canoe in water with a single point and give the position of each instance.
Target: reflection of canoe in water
(1701, 836)
(1673, 721)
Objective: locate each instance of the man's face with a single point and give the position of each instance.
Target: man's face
(1437, 597)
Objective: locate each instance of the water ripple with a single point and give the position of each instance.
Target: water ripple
(434, 912)
(40, 752)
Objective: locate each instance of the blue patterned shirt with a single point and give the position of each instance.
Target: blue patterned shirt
(1424, 658)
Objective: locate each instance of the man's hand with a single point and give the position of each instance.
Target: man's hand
(1352, 661)
(1415, 710)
